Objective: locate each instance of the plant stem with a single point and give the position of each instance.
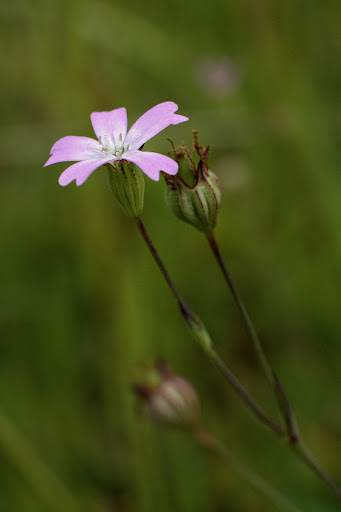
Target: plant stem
(208, 441)
(285, 407)
(213, 356)
(158, 260)
(242, 309)
(294, 440)
(244, 395)
(304, 454)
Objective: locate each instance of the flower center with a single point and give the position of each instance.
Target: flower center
(110, 148)
(119, 152)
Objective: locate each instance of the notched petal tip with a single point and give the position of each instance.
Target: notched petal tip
(80, 171)
(153, 122)
(179, 119)
(171, 105)
(64, 184)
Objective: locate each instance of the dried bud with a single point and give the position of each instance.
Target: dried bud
(169, 398)
(194, 194)
(127, 184)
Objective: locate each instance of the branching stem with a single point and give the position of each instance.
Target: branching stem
(213, 356)
(285, 407)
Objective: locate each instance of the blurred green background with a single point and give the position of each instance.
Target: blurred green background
(82, 302)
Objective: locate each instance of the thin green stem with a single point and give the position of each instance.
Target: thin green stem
(207, 440)
(190, 317)
(294, 440)
(158, 260)
(244, 395)
(280, 396)
(304, 454)
(242, 309)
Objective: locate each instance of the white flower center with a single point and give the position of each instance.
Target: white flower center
(108, 147)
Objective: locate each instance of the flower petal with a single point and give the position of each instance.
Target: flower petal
(110, 126)
(152, 163)
(74, 148)
(80, 171)
(72, 142)
(152, 122)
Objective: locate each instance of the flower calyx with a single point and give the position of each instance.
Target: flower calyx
(194, 194)
(127, 184)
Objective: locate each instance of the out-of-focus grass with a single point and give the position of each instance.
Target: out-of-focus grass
(82, 302)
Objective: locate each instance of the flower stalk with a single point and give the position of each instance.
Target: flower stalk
(170, 399)
(242, 309)
(201, 336)
(284, 404)
(282, 399)
(290, 433)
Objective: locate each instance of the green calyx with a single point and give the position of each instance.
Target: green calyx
(194, 194)
(127, 184)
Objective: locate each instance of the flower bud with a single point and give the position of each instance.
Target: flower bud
(194, 194)
(169, 398)
(127, 184)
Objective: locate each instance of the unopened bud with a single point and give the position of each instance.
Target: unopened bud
(127, 184)
(194, 194)
(169, 398)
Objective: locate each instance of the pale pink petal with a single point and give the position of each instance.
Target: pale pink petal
(110, 126)
(80, 171)
(74, 148)
(152, 122)
(152, 163)
(72, 142)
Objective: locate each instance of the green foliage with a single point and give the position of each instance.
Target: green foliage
(82, 302)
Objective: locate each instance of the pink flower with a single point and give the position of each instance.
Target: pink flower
(115, 144)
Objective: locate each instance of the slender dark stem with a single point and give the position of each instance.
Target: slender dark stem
(304, 454)
(158, 260)
(185, 309)
(242, 309)
(283, 402)
(282, 399)
(208, 441)
(299, 449)
(215, 359)
(294, 441)
(243, 394)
